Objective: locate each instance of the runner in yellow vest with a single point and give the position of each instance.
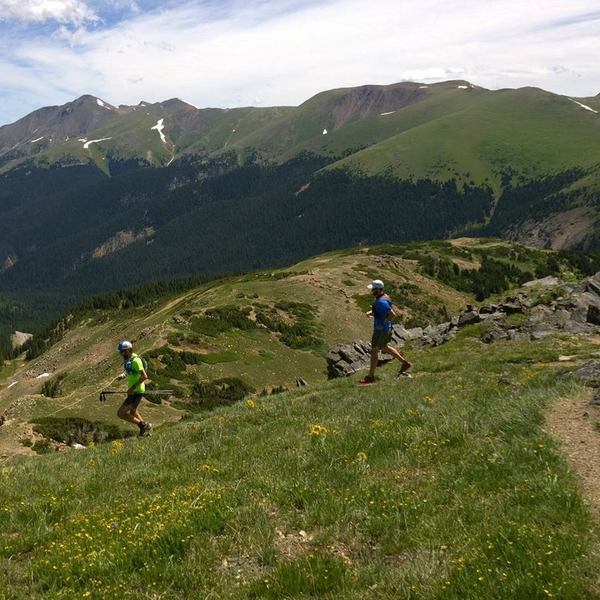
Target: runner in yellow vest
(134, 371)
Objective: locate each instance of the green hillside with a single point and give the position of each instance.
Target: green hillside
(442, 486)
(322, 296)
(529, 133)
(261, 331)
(232, 190)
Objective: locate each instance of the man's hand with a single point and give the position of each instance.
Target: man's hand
(121, 376)
(369, 313)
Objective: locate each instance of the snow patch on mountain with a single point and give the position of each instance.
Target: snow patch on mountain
(385, 114)
(325, 132)
(160, 127)
(86, 145)
(463, 87)
(36, 140)
(100, 103)
(584, 106)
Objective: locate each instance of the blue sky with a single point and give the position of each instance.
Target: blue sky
(259, 52)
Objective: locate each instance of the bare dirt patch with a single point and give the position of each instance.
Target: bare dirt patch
(18, 338)
(574, 423)
(467, 265)
(11, 435)
(558, 231)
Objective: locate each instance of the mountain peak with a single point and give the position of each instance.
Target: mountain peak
(176, 104)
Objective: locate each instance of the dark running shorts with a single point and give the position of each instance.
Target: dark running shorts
(133, 401)
(381, 339)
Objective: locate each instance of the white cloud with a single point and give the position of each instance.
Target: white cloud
(214, 54)
(37, 11)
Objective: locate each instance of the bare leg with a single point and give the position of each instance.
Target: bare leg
(128, 414)
(374, 361)
(406, 365)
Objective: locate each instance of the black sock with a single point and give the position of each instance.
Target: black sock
(141, 424)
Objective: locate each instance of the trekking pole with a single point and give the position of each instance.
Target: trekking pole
(105, 393)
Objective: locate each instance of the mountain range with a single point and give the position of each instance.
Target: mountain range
(95, 196)
(446, 130)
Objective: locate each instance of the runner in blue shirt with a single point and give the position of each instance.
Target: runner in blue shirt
(382, 312)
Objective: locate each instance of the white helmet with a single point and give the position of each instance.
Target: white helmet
(125, 345)
(377, 284)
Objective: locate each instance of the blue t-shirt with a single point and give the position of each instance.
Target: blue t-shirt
(381, 311)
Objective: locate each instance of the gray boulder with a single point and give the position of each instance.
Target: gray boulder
(349, 354)
(469, 317)
(589, 373)
(346, 359)
(515, 335)
(593, 285)
(544, 282)
(582, 304)
(493, 335)
(511, 308)
(578, 328)
(542, 331)
(540, 314)
(595, 401)
(415, 333)
(593, 315)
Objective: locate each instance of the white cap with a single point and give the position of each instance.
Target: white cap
(376, 285)
(125, 345)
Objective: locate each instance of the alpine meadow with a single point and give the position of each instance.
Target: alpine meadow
(346, 348)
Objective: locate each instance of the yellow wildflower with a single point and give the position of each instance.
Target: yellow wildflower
(250, 403)
(210, 468)
(116, 447)
(317, 430)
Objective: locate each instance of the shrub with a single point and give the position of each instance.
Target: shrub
(70, 430)
(167, 364)
(301, 334)
(53, 388)
(43, 446)
(220, 392)
(222, 319)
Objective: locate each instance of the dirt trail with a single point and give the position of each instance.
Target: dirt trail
(573, 421)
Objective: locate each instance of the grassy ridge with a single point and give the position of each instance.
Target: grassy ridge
(444, 486)
(528, 131)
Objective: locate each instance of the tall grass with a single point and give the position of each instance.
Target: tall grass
(443, 486)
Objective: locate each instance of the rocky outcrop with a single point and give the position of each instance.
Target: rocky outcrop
(589, 373)
(577, 311)
(344, 360)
